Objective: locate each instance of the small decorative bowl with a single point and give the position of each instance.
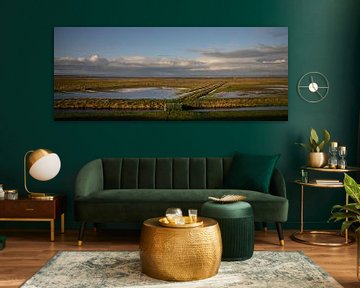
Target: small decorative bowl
(228, 198)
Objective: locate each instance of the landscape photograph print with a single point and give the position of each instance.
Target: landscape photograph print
(171, 73)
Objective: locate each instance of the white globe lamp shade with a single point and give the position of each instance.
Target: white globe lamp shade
(44, 164)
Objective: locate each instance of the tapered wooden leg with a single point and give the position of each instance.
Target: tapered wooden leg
(63, 223)
(52, 230)
(265, 227)
(81, 233)
(280, 233)
(95, 228)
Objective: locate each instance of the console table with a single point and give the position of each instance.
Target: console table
(27, 209)
(297, 235)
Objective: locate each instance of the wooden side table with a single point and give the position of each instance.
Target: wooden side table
(26, 209)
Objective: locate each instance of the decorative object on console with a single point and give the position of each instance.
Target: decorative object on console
(2, 192)
(313, 87)
(333, 149)
(304, 176)
(43, 165)
(327, 181)
(316, 158)
(342, 153)
(11, 194)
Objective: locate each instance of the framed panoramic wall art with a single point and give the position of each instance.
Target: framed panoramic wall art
(171, 73)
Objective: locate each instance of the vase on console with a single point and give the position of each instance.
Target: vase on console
(317, 158)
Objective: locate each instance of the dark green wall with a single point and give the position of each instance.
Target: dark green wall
(323, 36)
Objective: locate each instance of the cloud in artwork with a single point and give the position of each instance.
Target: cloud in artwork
(254, 61)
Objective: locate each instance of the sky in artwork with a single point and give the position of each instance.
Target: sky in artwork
(171, 51)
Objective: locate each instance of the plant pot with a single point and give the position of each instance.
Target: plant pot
(317, 159)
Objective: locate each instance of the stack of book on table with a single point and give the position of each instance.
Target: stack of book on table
(327, 181)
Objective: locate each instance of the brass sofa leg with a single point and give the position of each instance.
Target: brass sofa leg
(280, 233)
(95, 228)
(265, 227)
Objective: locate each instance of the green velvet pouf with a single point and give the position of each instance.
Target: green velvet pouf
(2, 242)
(236, 221)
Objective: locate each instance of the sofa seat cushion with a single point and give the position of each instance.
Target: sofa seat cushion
(266, 207)
(166, 195)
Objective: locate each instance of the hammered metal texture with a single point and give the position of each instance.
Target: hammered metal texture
(185, 254)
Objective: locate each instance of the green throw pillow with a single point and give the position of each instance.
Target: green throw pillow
(251, 172)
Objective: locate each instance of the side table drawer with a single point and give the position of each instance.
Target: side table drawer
(29, 209)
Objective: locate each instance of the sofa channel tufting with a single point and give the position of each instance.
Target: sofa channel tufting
(131, 190)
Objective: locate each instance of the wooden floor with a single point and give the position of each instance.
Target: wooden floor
(28, 250)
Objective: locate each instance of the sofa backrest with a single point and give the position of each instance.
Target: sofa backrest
(164, 173)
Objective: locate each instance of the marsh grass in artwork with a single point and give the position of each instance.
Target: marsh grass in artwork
(224, 77)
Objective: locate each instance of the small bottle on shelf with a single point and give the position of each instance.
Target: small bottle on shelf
(333, 162)
(2, 192)
(304, 176)
(342, 154)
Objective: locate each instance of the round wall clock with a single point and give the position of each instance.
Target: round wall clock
(313, 87)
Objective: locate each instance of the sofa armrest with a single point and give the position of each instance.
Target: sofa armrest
(277, 184)
(89, 179)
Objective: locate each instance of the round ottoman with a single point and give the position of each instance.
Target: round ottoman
(236, 221)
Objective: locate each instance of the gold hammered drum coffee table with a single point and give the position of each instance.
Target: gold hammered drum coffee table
(180, 254)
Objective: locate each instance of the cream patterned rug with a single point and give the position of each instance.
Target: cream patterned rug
(104, 269)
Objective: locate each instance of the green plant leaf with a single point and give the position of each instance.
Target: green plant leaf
(349, 213)
(336, 216)
(313, 145)
(306, 146)
(350, 207)
(321, 146)
(314, 136)
(346, 225)
(352, 188)
(326, 136)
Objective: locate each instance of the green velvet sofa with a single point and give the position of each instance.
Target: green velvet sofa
(130, 190)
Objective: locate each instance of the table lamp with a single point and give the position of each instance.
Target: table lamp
(43, 165)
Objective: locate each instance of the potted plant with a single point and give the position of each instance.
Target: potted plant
(317, 157)
(350, 213)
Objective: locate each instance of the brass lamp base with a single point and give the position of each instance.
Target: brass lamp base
(41, 196)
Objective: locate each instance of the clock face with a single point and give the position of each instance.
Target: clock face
(313, 87)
